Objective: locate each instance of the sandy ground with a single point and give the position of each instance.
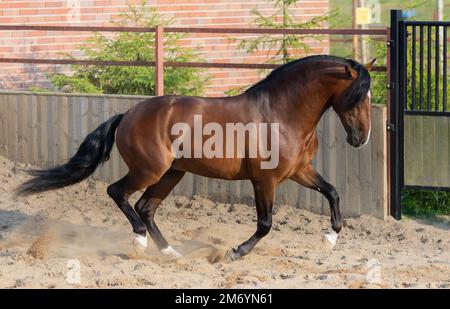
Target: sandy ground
(44, 237)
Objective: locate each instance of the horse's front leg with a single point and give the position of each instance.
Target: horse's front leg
(308, 177)
(264, 198)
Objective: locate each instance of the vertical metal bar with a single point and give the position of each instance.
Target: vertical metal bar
(421, 93)
(390, 137)
(395, 160)
(413, 73)
(402, 98)
(444, 69)
(436, 71)
(159, 60)
(429, 68)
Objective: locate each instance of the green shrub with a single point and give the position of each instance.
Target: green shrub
(427, 203)
(133, 47)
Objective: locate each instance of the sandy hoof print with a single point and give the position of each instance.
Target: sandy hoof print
(330, 239)
(170, 251)
(140, 243)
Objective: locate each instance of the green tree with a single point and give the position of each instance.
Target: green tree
(287, 46)
(379, 49)
(281, 48)
(133, 47)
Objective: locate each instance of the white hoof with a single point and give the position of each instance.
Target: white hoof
(140, 242)
(330, 239)
(169, 251)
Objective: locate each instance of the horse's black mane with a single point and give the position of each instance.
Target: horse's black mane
(355, 93)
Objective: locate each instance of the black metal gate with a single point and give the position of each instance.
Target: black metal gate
(419, 149)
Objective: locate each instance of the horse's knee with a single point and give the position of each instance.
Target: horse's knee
(114, 192)
(146, 208)
(264, 228)
(139, 206)
(334, 196)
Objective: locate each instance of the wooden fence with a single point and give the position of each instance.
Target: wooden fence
(427, 150)
(46, 129)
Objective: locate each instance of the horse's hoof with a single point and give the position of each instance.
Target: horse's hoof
(140, 243)
(232, 255)
(329, 239)
(171, 252)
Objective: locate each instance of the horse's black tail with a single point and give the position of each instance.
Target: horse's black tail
(93, 151)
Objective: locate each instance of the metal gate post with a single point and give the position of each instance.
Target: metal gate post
(395, 114)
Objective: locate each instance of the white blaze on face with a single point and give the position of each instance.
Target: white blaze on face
(369, 96)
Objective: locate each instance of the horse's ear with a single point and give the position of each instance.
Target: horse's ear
(369, 66)
(352, 74)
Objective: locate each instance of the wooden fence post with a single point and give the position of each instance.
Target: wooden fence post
(159, 60)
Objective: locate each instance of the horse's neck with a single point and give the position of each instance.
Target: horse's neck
(305, 109)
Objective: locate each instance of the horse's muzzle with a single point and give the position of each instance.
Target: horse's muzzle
(356, 141)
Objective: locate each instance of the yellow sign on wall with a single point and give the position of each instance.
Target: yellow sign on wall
(363, 16)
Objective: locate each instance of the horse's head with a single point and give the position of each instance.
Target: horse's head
(353, 103)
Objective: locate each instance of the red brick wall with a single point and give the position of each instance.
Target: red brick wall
(196, 13)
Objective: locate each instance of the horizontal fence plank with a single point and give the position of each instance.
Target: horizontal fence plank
(210, 65)
(348, 31)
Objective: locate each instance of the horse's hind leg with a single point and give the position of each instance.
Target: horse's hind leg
(264, 198)
(311, 179)
(120, 191)
(149, 202)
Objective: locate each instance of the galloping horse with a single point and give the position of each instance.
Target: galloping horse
(295, 96)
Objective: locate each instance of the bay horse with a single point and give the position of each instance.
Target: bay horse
(295, 96)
